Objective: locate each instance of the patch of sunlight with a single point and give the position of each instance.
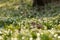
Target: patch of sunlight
(1, 5)
(6, 4)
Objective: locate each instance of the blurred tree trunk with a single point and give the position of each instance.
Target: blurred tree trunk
(43, 2)
(37, 3)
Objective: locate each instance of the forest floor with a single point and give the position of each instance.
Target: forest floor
(18, 21)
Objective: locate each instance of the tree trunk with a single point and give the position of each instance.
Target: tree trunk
(43, 2)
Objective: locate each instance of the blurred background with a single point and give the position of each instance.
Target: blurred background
(20, 21)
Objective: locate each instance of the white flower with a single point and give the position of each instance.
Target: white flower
(38, 34)
(23, 37)
(13, 38)
(1, 37)
(52, 31)
(31, 38)
(38, 38)
(0, 32)
(55, 35)
(58, 36)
